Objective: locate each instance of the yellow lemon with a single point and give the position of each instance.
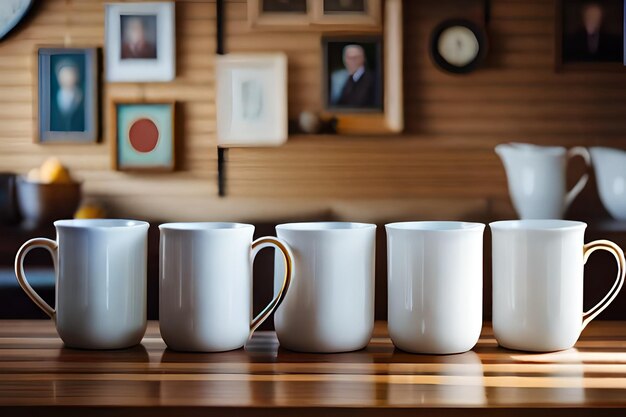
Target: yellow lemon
(90, 211)
(52, 171)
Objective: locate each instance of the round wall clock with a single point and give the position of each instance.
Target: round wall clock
(458, 46)
(11, 13)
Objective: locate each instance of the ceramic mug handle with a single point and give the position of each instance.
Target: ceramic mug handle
(279, 245)
(578, 187)
(52, 247)
(617, 252)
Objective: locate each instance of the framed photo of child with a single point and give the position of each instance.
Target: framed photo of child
(67, 95)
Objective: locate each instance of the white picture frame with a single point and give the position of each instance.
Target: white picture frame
(251, 99)
(154, 59)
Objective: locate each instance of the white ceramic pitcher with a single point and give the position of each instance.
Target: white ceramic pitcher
(537, 178)
(610, 167)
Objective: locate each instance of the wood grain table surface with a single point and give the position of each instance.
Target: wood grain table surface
(38, 376)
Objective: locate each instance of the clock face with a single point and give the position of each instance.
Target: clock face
(458, 45)
(11, 12)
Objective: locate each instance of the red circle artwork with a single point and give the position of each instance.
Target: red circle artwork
(143, 135)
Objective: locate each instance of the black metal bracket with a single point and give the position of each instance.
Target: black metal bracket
(487, 12)
(221, 152)
(221, 175)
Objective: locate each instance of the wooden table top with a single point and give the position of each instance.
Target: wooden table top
(263, 379)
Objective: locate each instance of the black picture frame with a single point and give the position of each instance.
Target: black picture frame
(298, 7)
(327, 41)
(563, 63)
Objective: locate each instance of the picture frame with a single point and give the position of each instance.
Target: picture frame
(579, 50)
(251, 99)
(66, 96)
(390, 118)
(259, 15)
(352, 12)
(366, 93)
(143, 135)
(140, 42)
(357, 15)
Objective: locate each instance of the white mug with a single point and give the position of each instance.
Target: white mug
(330, 305)
(538, 283)
(435, 281)
(100, 268)
(205, 288)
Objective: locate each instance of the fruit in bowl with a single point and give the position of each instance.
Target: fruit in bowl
(47, 193)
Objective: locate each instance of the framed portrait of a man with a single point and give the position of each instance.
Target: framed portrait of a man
(67, 95)
(140, 42)
(590, 34)
(353, 69)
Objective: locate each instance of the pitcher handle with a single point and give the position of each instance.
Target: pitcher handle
(578, 187)
(617, 252)
(279, 245)
(52, 247)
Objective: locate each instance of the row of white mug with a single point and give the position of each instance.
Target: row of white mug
(324, 284)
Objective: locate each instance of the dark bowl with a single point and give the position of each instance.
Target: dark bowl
(41, 203)
(8, 199)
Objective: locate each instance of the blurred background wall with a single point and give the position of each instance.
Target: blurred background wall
(442, 166)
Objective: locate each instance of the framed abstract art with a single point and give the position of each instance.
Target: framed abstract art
(251, 99)
(142, 136)
(66, 100)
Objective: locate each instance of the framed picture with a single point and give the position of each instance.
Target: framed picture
(358, 107)
(331, 14)
(279, 12)
(140, 42)
(347, 12)
(142, 136)
(353, 73)
(251, 99)
(66, 100)
(590, 34)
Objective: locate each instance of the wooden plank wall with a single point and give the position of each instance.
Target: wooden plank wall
(444, 161)
(81, 22)
(453, 122)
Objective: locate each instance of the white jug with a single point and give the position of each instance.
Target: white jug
(610, 167)
(537, 178)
